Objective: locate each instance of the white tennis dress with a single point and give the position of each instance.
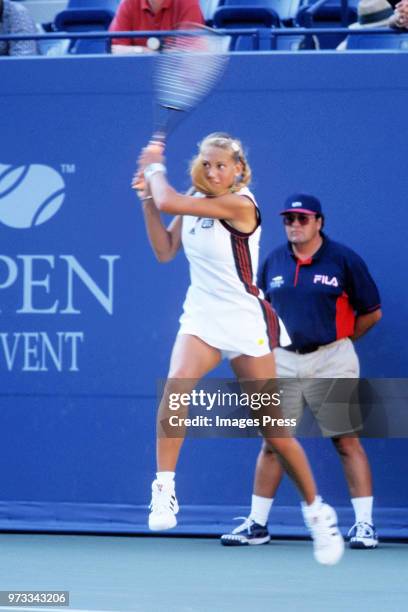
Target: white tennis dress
(223, 305)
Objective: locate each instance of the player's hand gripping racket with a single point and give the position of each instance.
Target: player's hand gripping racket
(186, 70)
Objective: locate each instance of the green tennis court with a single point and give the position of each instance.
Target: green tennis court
(151, 574)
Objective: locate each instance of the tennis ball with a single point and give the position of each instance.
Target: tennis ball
(29, 195)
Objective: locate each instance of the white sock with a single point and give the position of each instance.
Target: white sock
(260, 508)
(363, 509)
(166, 478)
(313, 508)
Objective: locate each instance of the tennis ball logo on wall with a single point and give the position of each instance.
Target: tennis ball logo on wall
(29, 195)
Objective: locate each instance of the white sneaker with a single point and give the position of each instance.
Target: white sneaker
(328, 542)
(163, 507)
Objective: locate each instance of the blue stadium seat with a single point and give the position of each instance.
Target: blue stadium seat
(84, 20)
(349, 4)
(265, 20)
(248, 17)
(109, 5)
(327, 14)
(338, 11)
(393, 40)
(286, 9)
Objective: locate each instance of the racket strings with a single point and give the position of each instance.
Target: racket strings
(188, 68)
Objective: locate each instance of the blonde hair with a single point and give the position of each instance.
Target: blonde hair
(227, 143)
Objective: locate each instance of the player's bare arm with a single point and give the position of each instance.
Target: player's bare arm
(165, 241)
(239, 211)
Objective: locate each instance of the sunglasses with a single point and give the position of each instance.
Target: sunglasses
(290, 218)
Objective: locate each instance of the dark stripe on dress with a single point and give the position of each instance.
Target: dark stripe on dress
(243, 264)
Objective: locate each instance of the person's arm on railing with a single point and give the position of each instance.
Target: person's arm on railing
(401, 14)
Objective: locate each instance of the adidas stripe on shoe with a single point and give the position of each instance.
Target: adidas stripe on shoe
(163, 507)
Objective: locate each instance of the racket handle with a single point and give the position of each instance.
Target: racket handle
(156, 144)
(138, 183)
(158, 139)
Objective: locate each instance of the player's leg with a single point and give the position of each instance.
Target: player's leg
(191, 359)
(358, 475)
(320, 518)
(268, 470)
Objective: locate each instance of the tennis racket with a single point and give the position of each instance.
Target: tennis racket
(186, 70)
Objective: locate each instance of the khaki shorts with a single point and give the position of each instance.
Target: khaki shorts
(327, 382)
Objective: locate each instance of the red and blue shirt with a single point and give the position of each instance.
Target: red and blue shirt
(137, 15)
(318, 299)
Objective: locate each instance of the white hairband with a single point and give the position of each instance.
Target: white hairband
(234, 145)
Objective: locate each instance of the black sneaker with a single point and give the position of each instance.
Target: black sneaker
(363, 536)
(248, 533)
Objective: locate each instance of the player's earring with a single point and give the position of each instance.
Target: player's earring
(238, 178)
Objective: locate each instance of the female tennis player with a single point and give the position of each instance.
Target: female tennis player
(224, 313)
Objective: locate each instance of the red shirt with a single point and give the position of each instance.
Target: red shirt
(137, 15)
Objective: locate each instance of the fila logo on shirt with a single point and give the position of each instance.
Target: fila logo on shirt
(276, 282)
(325, 280)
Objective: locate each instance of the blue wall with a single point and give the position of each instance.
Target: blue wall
(78, 382)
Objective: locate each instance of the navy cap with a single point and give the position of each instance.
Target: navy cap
(303, 203)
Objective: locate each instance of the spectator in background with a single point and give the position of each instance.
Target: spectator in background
(16, 19)
(400, 18)
(371, 14)
(139, 15)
